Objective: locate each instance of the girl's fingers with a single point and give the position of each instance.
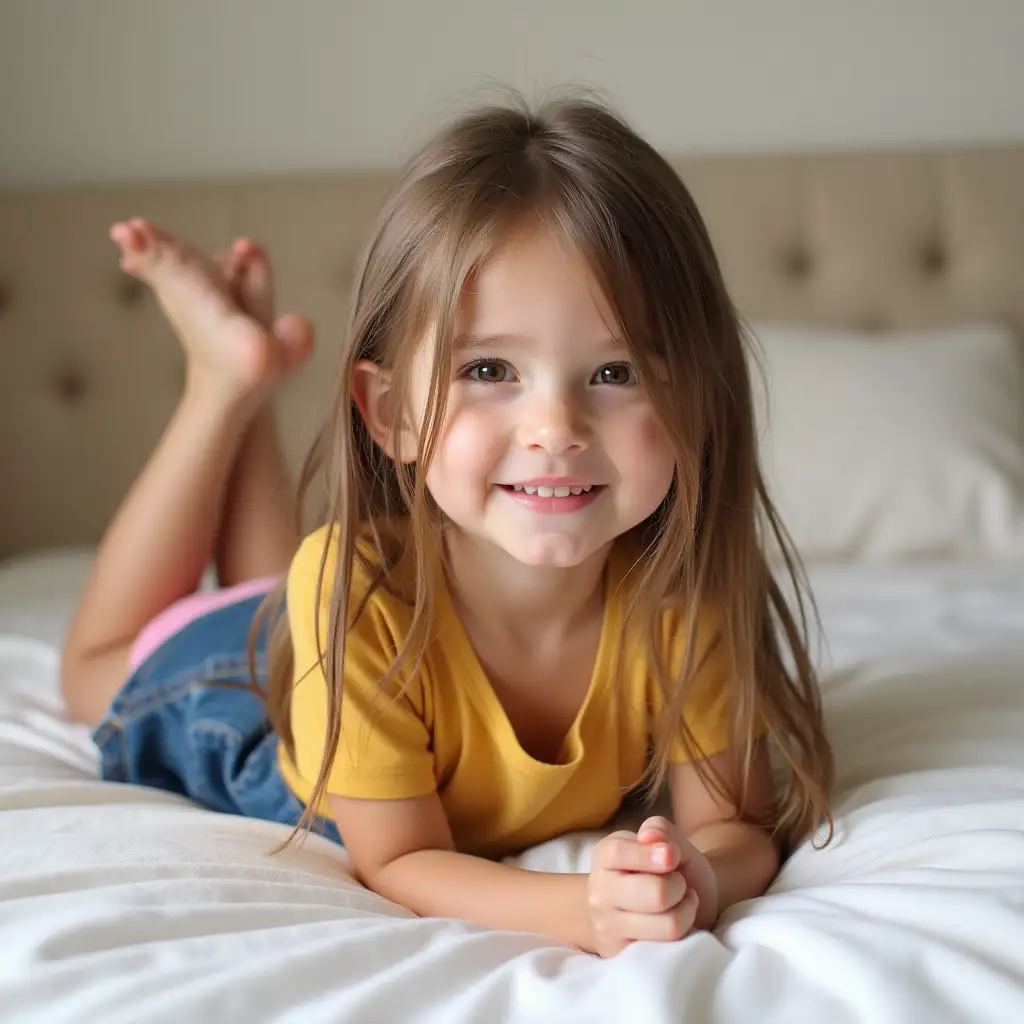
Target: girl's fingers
(656, 829)
(666, 927)
(646, 893)
(622, 851)
(661, 835)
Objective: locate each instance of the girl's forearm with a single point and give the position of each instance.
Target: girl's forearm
(442, 883)
(744, 860)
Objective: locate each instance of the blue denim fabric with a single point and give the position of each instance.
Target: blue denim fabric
(174, 724)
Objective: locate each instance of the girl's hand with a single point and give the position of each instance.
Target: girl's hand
(693, 865)
(635, 891)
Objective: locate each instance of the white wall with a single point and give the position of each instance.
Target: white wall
(99, 90)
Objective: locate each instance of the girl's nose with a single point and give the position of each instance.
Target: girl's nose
(553, 424)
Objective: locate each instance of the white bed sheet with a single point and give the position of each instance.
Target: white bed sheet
(124, 904)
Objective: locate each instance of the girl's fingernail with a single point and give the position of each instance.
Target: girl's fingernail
(659, 856)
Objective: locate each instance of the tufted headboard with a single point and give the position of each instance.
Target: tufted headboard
(89, 373)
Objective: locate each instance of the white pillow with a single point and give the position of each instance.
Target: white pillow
(881, 447)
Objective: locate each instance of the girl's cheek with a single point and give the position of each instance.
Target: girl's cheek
(656, 439)
(469, 437)
(642, 430)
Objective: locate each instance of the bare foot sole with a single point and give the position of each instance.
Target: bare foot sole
(223, 340)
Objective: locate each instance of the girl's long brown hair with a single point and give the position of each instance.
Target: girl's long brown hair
(578, 169)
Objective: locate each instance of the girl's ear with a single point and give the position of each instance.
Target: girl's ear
(373, 394)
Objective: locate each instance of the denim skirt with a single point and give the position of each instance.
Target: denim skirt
(190, 719)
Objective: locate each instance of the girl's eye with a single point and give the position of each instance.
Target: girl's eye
(489, 371)
(618, 374)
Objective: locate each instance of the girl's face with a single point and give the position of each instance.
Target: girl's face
(549, 449)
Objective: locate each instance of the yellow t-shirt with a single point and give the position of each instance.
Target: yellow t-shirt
(448, 733)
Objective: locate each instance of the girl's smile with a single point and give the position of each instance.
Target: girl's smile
(553, 496)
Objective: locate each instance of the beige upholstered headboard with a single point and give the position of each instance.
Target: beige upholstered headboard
(89, 373)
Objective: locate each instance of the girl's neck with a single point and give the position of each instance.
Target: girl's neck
(492, 588)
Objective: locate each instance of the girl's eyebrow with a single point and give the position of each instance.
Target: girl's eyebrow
(472, 341)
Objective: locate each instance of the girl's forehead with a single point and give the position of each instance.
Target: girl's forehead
(532, 288)
(532, 285)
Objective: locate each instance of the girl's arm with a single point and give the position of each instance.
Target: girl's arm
(403, 850)
(739, 859)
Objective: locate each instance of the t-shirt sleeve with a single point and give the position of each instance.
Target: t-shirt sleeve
(706, 710)
(385, 745)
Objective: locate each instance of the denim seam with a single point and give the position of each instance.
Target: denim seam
(129, 705)
(211, 727)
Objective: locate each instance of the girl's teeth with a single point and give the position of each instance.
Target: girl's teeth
(552, 492)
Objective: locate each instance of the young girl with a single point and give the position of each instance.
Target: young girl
(538, 582)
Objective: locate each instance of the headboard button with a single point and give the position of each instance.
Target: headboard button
(130, 291)
(797, 264)
(70, 384)
(934, 259)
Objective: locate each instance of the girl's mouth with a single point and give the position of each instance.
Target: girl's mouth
(560, 498)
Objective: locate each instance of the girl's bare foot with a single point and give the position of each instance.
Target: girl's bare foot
(224, 342)
(247, 273)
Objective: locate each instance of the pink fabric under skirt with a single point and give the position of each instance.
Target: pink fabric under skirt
(188, 609)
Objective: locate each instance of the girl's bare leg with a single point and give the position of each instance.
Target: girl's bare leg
(166, 529)
(258, 533)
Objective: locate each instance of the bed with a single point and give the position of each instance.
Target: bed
(886, 291)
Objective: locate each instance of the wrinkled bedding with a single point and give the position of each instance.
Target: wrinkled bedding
(125, 904)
